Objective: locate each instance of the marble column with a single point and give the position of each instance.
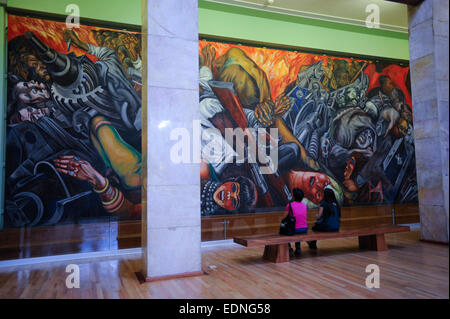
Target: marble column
(428, 39)
(171, 214)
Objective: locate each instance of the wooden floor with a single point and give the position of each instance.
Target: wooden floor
(409, 269)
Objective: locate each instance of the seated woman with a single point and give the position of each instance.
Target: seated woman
(329, 216)
(299, 210)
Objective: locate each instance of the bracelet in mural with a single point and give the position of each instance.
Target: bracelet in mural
(100, 124)
(104, 189)
(114, 199)
(115, 204)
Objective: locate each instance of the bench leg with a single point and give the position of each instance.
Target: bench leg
(373, 242)
(276, 253)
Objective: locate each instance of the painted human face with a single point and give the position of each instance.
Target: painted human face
(311, 183)
(325, 145)
(227, 195)
(365, 139)
(38, 66)
(352, 97)
(406, 113)
(388, 86)
(133, 48)
(32, 92)
(31, 114)
(401, 130)
(120, 55)
(349, 167)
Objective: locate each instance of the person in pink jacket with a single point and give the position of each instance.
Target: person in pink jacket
(300, 211)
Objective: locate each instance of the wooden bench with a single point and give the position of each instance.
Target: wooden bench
(277, 250)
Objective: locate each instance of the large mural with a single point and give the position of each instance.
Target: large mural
(73, 148)
(342, 123)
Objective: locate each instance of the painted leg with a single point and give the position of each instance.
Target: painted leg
(122, 158)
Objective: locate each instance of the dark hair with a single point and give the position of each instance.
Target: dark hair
(298, 194)
(18, 50)
(358, 161)
(329, 196)
(383, 79)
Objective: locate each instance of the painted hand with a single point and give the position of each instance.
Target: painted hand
(79, 169)
(69, 34)
(208, 56)
(264, 113)
(282, 105)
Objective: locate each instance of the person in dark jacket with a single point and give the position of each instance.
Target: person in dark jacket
(329, 216)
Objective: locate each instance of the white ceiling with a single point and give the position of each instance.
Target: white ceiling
(393, 16)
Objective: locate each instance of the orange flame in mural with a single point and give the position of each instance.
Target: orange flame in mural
(51, 33)
(280, 66)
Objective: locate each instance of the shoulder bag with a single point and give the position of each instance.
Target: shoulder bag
(287, 226)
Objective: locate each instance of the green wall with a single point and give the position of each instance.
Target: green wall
(242, 23)
(121, 11)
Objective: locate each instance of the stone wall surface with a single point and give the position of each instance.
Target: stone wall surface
(428, 25)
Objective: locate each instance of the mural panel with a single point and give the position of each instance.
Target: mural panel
(342, 123)
(73, 147)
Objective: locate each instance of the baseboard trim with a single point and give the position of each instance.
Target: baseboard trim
(434, 242)
(142, 279)
(214, 243)
(70, 257)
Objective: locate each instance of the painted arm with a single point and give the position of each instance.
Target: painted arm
(70, 35)
(112, 198)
